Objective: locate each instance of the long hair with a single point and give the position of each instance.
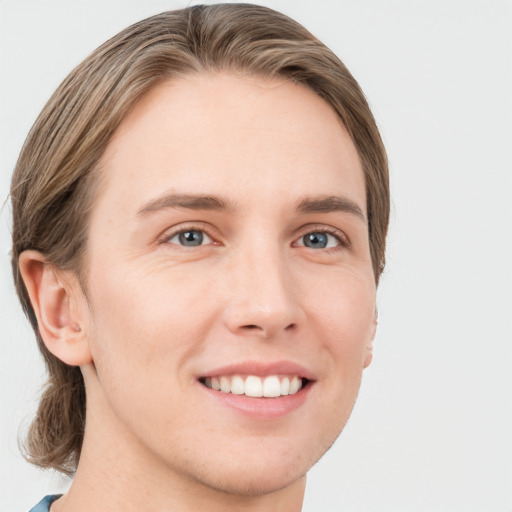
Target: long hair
(56, 176)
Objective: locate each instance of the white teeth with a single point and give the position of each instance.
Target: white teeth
(285, 386)
(237, 385)
(295, 385)
(253, 386)
(271, 387)
(215, 384)
(225, 385)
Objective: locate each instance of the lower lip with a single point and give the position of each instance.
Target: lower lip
(261, 408)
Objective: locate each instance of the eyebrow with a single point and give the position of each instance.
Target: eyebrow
(323, 204)
(329, 204)
(189, 201)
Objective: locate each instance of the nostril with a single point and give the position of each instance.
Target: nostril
(266, 332)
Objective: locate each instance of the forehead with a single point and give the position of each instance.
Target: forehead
(222, 132)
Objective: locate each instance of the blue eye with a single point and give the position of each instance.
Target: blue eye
(190, 238)
(319, 240)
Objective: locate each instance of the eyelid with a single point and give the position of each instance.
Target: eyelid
(343, 239)
(187, 226)
(169, 233)
(206, 239)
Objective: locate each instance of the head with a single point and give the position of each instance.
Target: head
(66, 172)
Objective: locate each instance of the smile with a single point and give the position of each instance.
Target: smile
(270, 386)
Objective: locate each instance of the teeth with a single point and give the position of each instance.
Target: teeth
(253, 386)
(285, 386)
(225, 385)
(237, 385)
(295, 385)
(271, 387)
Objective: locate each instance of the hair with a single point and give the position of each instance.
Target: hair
(56, 176)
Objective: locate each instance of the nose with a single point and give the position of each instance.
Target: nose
(262, 299)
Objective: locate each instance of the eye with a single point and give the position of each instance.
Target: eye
(190, 238)
(319, 240)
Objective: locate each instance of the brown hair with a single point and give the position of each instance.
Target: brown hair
(53, 186)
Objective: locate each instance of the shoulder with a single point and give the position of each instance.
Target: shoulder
(44, 504)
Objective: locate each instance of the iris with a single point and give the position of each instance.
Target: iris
(191, 238)
(315, 240)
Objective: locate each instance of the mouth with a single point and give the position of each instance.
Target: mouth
(254, 386)
(260, 390)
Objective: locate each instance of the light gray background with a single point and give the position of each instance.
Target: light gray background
(432, 430)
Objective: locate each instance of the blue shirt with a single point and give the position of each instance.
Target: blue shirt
(44, 504)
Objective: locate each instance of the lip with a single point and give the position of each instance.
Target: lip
(260, 408)
(261, 369)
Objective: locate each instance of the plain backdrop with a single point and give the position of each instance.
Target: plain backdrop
(432, 429)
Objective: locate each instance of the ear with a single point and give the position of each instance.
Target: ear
(369, 347)
(59, 306)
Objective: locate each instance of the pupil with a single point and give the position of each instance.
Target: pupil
(191, 238)
(315, 240)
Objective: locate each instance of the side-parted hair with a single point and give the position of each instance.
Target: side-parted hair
(57, 173)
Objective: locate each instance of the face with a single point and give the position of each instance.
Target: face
(228, 247)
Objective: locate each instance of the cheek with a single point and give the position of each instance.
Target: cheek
(145, 331)
(146, 323)
(344, 309)
(343, 314)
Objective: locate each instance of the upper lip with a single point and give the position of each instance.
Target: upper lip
(261, 369)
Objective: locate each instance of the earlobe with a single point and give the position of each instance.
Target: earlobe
(369, 347)
(60, 318)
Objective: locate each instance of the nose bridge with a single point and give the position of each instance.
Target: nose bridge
(261, 292)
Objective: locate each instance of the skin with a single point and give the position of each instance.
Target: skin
(158, 315)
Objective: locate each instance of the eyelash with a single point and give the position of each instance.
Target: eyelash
(341, 238)
(165, 239)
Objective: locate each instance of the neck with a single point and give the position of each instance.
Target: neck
(117, 472)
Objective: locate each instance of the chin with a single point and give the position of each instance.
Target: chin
(251, 482)
(263, 470)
